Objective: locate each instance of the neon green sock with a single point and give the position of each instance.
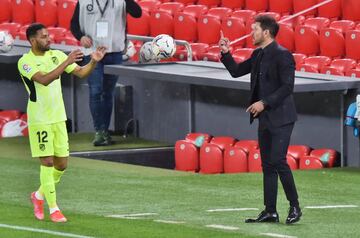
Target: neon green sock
(48, 185)
(57, 175)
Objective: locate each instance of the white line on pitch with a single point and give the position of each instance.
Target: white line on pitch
(24, 228)
(331, 206)
(222, 227)
(232, 209)
(277, 235)
(170, 222)
(132, 216)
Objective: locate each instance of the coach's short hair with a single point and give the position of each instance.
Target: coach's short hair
(268, 23)
(32, 30)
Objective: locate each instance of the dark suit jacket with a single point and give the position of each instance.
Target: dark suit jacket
(276, 75)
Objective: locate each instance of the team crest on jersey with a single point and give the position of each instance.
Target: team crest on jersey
(42, 147)
(55, 60)
(27, 68)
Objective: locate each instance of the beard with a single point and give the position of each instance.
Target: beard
(259, 41)
(44, 47)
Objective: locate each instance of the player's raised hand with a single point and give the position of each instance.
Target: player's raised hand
(99, 53)
(75, 56)
(224, 43)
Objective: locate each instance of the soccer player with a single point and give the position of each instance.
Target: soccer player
(41, 70)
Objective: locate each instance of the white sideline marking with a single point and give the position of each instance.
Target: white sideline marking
(23, 228)
(232, 209)
(277, 235)
(230, 228)
(170, 222)
(132, 216)
(331, 206)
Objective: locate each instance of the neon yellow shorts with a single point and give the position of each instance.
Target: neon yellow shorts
(49, 140)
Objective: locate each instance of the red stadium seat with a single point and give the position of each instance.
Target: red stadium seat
(186, 2)
(209, 29)
(171, 7)
(283, 7)
(149, 5)
(235, 160)
(293, 22)
(306, 40)
(298, 151)
(285, 37)
(233, 28)
(350, 10)
(139, 26)
(67, 40)
(46, 12)
(11, 27)
(275, 15)
(332, 43)
(209, 3)
(339, 66)
(318, 62)
(352, 44)
(317, 23)
(212, 54)
(344, 64)
(57, 32)
(330, 10)
(238, 4)
(331, 70)
(254, 161)
(354, 73)
(245, 15)
(185, 27)
(187, 153)
(198, 49)
(242, 54)
(307, 68)
(161, 23)
(219, 12)
(211, 155)
(192, 137)
(65, 12)
(257, 5)
(247, 145)
(22, 11)
(195, 10)
(332, 156)
(299, 59)
(300, 5)
(5, 11)
(342, 25)
(310, 162)
(292, 162)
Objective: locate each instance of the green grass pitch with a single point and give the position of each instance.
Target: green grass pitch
(91, 190)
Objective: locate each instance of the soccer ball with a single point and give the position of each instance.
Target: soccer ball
(6, 41)
(164, 46)
(130, 51)
(146, 53)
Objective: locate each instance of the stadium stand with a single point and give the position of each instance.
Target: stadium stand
(5, 11)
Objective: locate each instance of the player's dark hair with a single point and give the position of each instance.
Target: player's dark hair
(32, 30)
(268, 23)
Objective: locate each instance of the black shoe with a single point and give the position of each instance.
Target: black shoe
(264, 216)
(294, 215)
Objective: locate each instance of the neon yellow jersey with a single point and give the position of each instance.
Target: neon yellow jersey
(45, 104)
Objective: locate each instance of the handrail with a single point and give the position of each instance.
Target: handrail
(178, 42)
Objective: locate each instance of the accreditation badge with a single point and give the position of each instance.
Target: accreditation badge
(102, 29)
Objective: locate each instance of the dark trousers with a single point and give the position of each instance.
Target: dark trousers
(274, 144)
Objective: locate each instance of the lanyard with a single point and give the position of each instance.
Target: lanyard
(102, 11)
